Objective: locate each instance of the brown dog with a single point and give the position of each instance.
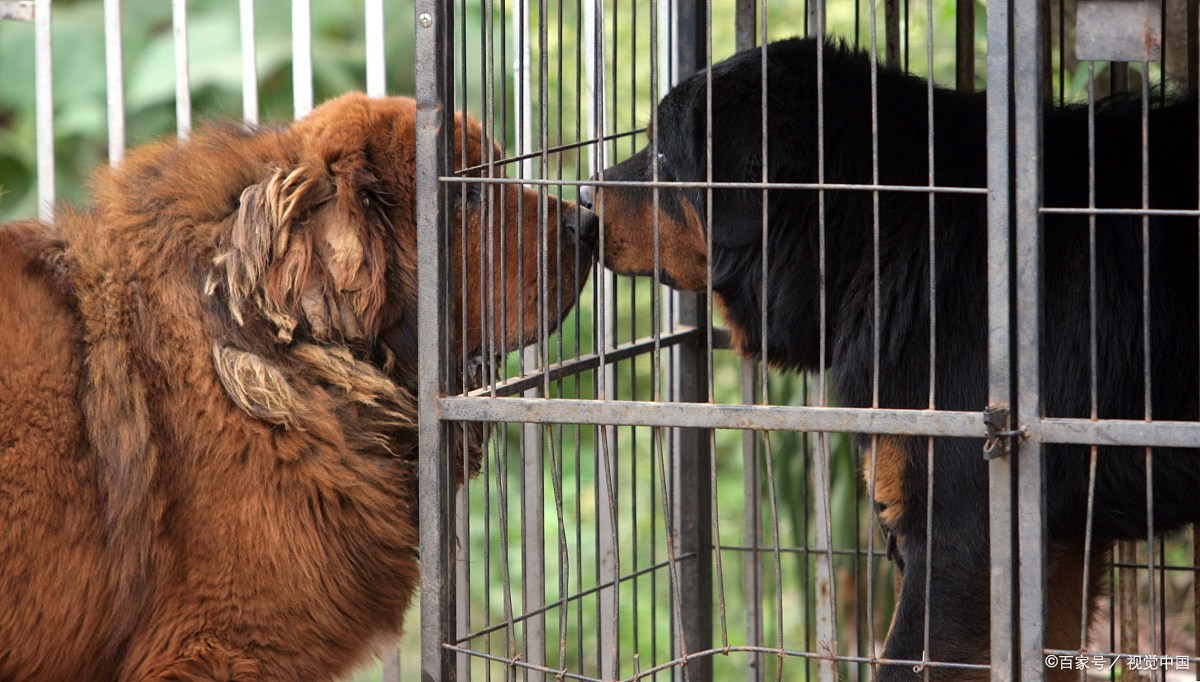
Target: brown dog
(207, 443)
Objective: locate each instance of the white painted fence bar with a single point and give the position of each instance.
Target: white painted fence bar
(302, 78)
(44, 84)
(376, 59)
(183, 93)
(114, 62)
(249, 63)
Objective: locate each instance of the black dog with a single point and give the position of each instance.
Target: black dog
(960, 561)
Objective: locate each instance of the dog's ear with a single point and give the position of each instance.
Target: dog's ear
(306, 249)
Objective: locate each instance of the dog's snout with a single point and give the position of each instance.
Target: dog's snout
(583, 224)
(587, 196)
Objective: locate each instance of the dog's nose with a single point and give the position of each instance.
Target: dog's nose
(586, 196)
(584, 225)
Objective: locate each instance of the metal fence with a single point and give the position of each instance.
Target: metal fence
(649, 505)
(599, 540)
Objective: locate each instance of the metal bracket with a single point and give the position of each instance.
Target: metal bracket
(996, 421)
(1119, 30)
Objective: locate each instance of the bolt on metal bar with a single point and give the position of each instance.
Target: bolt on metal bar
(302, 76)
(115, 81)
(183, 91)
(44, 104)
(249, 62)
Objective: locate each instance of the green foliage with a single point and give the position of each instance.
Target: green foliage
(214, 56)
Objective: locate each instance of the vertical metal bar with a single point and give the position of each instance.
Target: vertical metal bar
(249, 63)
(1127, 595)
(744, 24)
(462, 563)
(391, 666)
(692, 456)
(1193, 55)
(183, 93)
(826, 587)
(533, 545)
(930, 468)
(434, 130)
(964, 45)
(1147, 355)
(751, 476)
(114, 66)
(605, 297)
(876, 333)
(44, 94)
(1028, 94)
(891, 32)
(376, 62)
(1118, 77)
(302, 78)
(999, 272)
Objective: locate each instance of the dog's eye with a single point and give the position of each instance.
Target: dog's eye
(469, 196)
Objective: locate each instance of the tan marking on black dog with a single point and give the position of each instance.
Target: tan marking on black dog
(629, 239)
(887, 488)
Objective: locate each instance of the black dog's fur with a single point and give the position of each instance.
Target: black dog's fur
(960, 559)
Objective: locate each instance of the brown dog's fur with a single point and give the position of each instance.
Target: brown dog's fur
(207, 452)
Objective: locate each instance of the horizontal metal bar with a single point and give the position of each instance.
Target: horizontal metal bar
(557, 603)
(861, 553)
(710, 416)
(920, 189)
(591, 361)
(1133, 432)
(682, 661)
(549, 150)
(16, 11)
(1166, 212)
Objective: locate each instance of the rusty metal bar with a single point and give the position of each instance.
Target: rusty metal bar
(891, 28)
(691, 457)
(944, 423)
(1029, 94)
(1000, 384)
(435, 126)
(964, 45)
(1130, 432)
(589, 361)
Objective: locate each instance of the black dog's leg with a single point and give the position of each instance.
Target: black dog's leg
(958, 576)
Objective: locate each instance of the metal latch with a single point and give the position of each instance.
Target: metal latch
(996, 421)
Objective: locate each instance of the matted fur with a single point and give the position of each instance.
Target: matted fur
(207, 413)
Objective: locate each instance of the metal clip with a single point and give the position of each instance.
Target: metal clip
(996, 421)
